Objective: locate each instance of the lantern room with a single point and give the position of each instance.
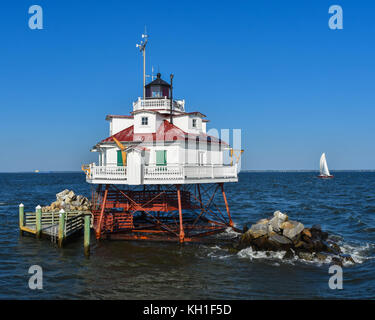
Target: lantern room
(158, 88)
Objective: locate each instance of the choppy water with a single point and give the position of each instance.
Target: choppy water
(344, 206)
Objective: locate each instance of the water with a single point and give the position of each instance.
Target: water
(344, 206)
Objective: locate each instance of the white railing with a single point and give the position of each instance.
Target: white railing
(173, 172)
(170, 172)
(210, 172)
(107, 172)
(162, 103)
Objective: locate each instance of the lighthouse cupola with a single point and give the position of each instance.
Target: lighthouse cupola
(158, 88)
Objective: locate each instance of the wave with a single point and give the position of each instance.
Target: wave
(359, 253)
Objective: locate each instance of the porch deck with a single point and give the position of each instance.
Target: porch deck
(169, 174)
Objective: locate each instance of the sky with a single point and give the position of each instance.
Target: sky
(273, 69)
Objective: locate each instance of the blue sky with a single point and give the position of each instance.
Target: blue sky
(270, 68)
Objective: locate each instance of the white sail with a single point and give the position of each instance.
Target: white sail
(323, 166)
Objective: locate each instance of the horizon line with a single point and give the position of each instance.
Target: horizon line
(244, 170)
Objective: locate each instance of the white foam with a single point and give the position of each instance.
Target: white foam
(231, 232)
(358, 253)
(253, 254)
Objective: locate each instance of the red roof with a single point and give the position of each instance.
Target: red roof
(166, 132)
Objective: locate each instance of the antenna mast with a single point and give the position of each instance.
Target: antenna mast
(171, 105)
(142, 48)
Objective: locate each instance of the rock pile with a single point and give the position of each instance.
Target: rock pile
(278, 233)
(68, 201)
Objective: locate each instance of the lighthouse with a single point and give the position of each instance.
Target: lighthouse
(159, 174)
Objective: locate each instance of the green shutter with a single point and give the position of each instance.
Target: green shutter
(119, 158)
(161, 157)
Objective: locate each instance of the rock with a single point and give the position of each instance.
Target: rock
(336, 261)
(280, 239)
(306, 232)
(245, 228)
(347, 258)
(282, 216)
(258, 230)
(291, 233)
(332, 247)
(286, 225)
(289, 254)
(306, 256)
(263, 221)
(321, 256)
(71, 195)
(317, 227)
(277, 220)
(300, 244)
(62, 194)
(76, 203)
(261, 243)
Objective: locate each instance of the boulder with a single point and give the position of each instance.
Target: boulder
(289, 254)
(306, 232)
(347, 258)
(321, 256)
(286, 225)
(263, 221)
(294, 231)
(279, 242)
(258, 230)
(336, 261)
(277, 220)
(62, 194)
(306, 255)
(332, 247)
(317, 227)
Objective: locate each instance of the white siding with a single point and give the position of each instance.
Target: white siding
(150, 127)
(118, 124)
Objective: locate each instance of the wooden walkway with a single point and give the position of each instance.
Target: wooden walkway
(51, 223)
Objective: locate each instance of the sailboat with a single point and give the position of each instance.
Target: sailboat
(324, 172)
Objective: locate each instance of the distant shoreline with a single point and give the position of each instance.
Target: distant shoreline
(296, 171)
(242, 171)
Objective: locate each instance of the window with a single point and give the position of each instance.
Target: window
(161, 157)
(194, 123)
(144, 121)
(120, 163)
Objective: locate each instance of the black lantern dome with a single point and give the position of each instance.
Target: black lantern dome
(158, 88)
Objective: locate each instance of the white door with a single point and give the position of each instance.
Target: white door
(201, 158)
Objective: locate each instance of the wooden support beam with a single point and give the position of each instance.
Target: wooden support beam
(38, 221)
(61, 228)
(86, 244)
(21, 217)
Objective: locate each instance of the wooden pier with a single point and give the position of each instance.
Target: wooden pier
(58, 226)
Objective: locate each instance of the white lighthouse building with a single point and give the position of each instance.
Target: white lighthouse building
(160, 143)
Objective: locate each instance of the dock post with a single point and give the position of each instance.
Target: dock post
(87, 234)
(61, 228)
(38, 221)
(21, 217)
